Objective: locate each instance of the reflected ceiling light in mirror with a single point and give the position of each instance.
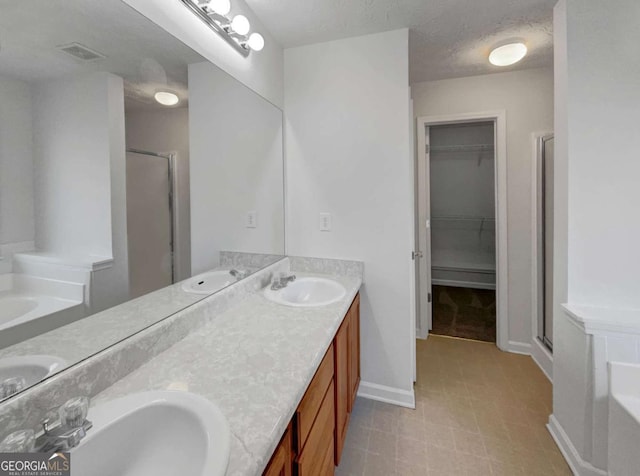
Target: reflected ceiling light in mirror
(234, 31)
(507, 55)
(166, 98)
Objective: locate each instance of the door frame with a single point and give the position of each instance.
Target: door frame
(499, 118)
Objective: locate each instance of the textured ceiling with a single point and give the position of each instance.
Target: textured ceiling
(448, 38)
(136, 49)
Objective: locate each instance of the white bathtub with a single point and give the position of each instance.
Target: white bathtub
(26, 298)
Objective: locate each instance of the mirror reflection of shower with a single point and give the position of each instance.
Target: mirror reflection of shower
(158, 225)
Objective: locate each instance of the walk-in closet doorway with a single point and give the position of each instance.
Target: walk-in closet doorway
(461, 263)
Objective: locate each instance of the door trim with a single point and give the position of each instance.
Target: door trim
(499, 117)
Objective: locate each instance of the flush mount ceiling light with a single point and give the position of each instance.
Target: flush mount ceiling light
(507, 55)
(234, 30)
(166, 98)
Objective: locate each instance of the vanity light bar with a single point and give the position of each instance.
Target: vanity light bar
(236, 30)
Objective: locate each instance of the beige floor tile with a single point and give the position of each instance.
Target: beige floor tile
(411, 451)
(357, 437)
(444, 460)
(413, 468)
(504, 469)
(469, 443)
(470, 465)
(439, 435)
(479, 411)
(380, 465)
(352, 462)
(383, 443)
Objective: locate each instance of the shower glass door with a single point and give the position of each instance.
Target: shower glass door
(545, 240)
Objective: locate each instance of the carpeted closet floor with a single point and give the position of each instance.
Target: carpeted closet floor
(464, 312)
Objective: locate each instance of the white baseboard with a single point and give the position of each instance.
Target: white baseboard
(420, 334)
(542, 357)
(578, 466)
(382, 393)
(519, 347)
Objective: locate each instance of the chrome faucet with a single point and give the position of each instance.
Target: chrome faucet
(281, 281)
(69, 430)
(239, 274)
(11, 386)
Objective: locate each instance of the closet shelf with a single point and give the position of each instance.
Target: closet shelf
(461, 218)
(463, 148)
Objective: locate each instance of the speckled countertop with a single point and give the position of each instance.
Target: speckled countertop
(254, 361)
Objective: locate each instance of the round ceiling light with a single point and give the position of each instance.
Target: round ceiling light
(240, 25)
(166, 98)
(256, 41)
(221, 7)
(506, 55)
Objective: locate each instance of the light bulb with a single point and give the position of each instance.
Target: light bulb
(508, 54)
(240, 25)
(166, 98)
(256, 41)
(221, 7)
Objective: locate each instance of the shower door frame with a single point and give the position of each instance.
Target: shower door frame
(170, 157)
(424, 306)
(539, 351)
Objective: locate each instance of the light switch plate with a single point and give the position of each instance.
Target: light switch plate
(252, 219)
(325, 222)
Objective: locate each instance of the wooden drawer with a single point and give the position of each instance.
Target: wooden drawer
(312, 460)
(328, 468)
(281, 464)
(313, 398)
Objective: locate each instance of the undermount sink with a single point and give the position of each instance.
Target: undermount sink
(31, 368)
(209, 283)
(307, 292)
(161, 433)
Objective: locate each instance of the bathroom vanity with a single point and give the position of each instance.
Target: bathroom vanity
(313, 441)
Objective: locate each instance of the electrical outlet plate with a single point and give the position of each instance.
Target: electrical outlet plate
(252, 219)
(325, 222)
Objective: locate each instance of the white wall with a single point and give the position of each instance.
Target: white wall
(603, 100)
(16, 162)
(72, 186)
(166, 131)
(261, 71)
(348, 153)
(236, 161)
(527, 97)
(80, 194)
(596, 254)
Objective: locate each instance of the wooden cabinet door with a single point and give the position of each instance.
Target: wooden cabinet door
(341, 376)
(353, 318)
(281, 463)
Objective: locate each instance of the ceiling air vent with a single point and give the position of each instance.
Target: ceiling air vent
(80, 52)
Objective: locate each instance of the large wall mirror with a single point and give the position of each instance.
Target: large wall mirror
(136, 179)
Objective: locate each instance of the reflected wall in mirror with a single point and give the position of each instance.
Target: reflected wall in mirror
(114, 195)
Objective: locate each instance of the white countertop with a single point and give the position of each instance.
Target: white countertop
(254, 361)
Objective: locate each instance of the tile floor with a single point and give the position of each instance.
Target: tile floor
(479, 411)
